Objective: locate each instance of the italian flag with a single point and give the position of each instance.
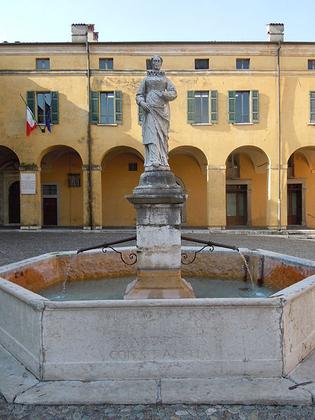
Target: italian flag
(30, 121)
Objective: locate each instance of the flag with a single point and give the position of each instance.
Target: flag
(47, 115)
(30, 121)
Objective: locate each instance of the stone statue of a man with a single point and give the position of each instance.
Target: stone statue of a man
(153, 96)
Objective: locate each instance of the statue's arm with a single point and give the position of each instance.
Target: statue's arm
(170, 92)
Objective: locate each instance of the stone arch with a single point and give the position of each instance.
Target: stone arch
(59, 149)
(247, 174)
(62, 186)
(301, 187)
(121, 170)
(9, 176)
(189, 165)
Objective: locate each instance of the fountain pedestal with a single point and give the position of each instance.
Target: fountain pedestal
(158, 201)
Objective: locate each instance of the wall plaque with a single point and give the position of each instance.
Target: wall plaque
(28, 182)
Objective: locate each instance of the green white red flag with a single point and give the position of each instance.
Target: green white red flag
(30, 121)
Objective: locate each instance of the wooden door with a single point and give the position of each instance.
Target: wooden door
(294, 204)
(14, 203)
(50, 211)
(236, 205)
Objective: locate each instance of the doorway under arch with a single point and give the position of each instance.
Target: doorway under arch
(14, 203)
(246, 187)
(9, 187)
(301, 188)
(62, 190)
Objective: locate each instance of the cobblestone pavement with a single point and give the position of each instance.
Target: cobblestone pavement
(18, 245)
(148, 412)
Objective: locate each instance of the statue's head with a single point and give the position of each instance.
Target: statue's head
(156, 62)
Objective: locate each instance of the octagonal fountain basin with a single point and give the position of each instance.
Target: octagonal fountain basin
(266, 335)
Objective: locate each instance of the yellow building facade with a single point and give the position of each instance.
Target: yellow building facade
(242, 135)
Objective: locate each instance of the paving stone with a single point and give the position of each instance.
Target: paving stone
(232, 390)
(14, 378)
(96, 392)
(305, 372)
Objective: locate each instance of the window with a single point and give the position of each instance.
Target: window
(44, 106)
(201, 63)
(132, 166)
(148, 64)
(43, 101)
(202, 106)
(106, 64)
(42, 64)
(74, 180)
(312, 107)
(49, 189)
(242, 63)
(311, 65)
(106, 107)
(243, 106)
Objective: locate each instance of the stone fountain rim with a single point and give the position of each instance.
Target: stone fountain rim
(39, 302)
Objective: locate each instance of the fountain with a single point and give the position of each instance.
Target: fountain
(159, 337)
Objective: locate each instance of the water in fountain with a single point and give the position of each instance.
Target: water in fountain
(114, 288)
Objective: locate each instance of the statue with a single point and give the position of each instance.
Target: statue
(153, 96)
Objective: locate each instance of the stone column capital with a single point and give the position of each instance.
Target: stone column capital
(93, 167)
(216, 168)
(30, 167)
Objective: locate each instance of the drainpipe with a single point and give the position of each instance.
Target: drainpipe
(89, 137)
(279, 136)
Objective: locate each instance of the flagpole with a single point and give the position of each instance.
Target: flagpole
(41, 129)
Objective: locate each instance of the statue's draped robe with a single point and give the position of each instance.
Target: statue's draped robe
(155, 124)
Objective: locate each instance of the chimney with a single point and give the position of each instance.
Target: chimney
(82, 31)
(275, 32)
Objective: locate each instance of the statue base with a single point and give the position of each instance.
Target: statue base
(158, 201)
(159, 284)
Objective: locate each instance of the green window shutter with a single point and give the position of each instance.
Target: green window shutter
(140, 115)
(94, 107)
(312, 107)
(191, 106)
(214, 106)
(54, 108)
(30, 99)
(255, 106)
(118, 107)
(232, 106)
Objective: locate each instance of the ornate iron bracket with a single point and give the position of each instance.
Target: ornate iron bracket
(185, 255)
(207, 244)
(132, 256)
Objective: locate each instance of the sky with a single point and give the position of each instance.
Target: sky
(156, 20)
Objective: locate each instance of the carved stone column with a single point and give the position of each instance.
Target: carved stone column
(158, 200)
